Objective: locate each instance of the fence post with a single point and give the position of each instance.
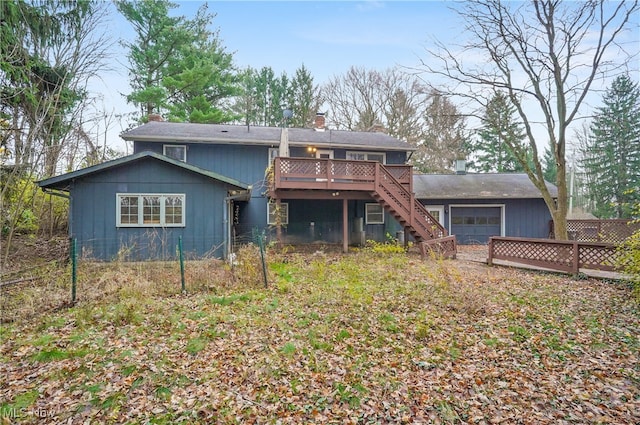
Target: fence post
(264, 264)
(181, 256)
(74, 269)
(575, 267)
(490, 258)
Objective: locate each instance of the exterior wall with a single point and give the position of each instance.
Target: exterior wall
(527, 218)
(248, 164)
(326, 216)
(94, 209)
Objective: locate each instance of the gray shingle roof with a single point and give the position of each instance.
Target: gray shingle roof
(61, 182)
(476, 186)
(154, 131)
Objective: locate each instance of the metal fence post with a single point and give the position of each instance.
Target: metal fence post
(181, 257)
(74, 269)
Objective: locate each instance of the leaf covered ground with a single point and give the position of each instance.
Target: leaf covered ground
(358, 338)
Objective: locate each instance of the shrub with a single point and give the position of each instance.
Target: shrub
(629, 256)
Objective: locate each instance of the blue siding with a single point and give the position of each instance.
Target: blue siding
(527, 218)
(94, 207)
(248, 165)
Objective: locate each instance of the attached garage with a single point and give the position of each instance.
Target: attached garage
(476, 224)
(474, 207)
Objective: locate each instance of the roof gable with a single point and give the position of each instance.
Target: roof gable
(163, 131)
(477, 186)
(61, 182)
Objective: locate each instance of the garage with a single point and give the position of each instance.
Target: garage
(475, 225)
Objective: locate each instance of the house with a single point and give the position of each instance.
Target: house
(475, 207)
(213, 185)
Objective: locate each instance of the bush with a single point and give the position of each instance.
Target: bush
(629, 258)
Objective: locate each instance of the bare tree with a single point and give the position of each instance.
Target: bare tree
(362, 99)
(44, 76)
(546, 56)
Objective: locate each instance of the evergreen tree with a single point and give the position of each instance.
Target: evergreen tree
(611, 158)
(443, 141)
(177, 66)
(499, 135)
(550, 166)
(304, 99)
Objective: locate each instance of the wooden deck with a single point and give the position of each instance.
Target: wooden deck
(389, 185)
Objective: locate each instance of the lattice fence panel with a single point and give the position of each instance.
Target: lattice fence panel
(551, 255)
(597, 257)
(610, 231)
(445, 247)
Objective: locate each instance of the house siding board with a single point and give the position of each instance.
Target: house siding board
(526, 218)
(246, 164)
(94, 213)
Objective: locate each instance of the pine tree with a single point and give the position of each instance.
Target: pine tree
(500, 134)
(611, 158)
(177, 66)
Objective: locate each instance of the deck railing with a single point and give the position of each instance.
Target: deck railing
(391, 185)
(333, 174)
(565, 256)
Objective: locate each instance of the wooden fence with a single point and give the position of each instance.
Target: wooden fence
(444, 247)
(612, 231)
(565, 256)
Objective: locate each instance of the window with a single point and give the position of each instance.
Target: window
(272, 213)
(178, 152)
(150, 210)
(437, 212)
(367, 156)
(374, 214)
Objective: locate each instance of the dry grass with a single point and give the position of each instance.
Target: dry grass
(357, 338)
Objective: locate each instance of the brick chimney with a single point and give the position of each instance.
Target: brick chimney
(154, 117)
(377, 128)
(319, 123)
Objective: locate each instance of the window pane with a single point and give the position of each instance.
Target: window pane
(128, 210)
(494, 220)
(355, 156)
(284, 213)
(176, 152)
(151, 210)
(375, 157)
(374, 214)
(173, 210)
(435, 214)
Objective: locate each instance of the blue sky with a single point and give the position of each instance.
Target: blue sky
(328, 37)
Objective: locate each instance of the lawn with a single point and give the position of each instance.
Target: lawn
(358, 338)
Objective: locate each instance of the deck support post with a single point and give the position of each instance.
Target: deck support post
(278, 224)
(345, 226)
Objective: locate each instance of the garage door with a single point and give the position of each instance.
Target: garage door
(475, 225)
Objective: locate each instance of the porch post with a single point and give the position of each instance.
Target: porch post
(278, 224)
(345, 226)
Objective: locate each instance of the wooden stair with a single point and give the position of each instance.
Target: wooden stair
(405, 208)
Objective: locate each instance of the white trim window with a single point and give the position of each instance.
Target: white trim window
(374, 214)
(437, 212)
(150, 210)
(381, 157)
(177, 152)
(272, 212)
